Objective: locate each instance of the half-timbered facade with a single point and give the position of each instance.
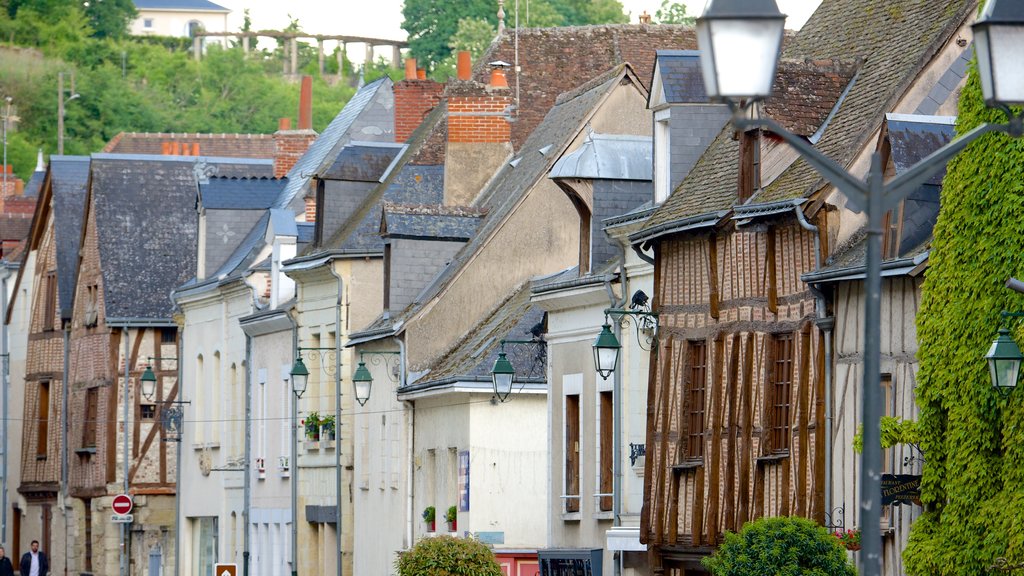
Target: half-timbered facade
(738, 404)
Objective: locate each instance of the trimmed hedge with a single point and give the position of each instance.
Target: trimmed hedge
(791, 546)
(448, 556)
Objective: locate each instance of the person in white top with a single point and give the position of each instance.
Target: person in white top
(34, 563)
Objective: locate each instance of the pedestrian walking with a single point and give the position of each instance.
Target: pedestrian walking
(34, 563)
(6, 568)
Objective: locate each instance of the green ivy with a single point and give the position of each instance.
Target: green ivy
(973, 484)
(894, 431)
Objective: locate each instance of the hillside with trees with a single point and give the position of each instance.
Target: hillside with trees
(140, 84)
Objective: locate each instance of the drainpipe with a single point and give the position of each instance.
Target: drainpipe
(4, 375)
(64, 385)
(617, 405)
(247, 487)
(337, 412)
(825, 324)
(177, 464)
(294, 480)
(125, 454)
(410, 431)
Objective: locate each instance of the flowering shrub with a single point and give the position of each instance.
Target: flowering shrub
(850, 539)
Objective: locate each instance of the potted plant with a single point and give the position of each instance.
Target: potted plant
(450, 518)
(312, 426)
(327, 426)
(850, 539)
(429, 515)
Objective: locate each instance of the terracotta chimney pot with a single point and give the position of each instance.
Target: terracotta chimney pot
(464, 68)
(410, 68)
(306, 104)
(284, 124)
(421, 74)
(498, 79)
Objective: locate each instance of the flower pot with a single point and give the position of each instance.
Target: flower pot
(432, 526)
(853, 547)
(452, 526)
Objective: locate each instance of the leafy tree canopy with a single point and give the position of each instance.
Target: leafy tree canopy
(973, 481)
(432, 24)
(673, 13)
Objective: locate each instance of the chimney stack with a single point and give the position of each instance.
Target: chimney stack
(306, 104)
(479, 137)
(290, 145)
(464, 67)
(415, 97)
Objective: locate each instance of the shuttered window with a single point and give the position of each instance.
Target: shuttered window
(572, 452)
(50, 302)
(43, 420)
(696, 387)
(780, 391)
(91, 415)
(606, 454)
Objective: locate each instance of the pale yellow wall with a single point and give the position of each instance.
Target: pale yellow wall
(175, 23)
(539, 237)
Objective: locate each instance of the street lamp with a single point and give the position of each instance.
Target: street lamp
(998, 51)
(1004, 358)
(502, 375)
(362, 382)
(740, 40)
(148, 381)
(607, 347)
(362, 379)
(606, 352)
(300, 376)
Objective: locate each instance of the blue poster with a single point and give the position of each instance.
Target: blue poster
(464, 481)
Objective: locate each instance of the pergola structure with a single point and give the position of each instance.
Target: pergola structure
(292, 40)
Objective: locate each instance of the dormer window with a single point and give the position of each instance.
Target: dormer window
(750, 165)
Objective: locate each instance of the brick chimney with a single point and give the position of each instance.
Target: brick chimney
(479, 137)
(414, 99)
(290, 145)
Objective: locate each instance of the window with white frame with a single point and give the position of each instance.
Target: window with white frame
(662, 156)
(572, 385)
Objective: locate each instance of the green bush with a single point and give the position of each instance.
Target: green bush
(780, 547)
(448, 556)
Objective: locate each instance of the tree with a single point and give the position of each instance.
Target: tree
(973, 482)
(448, 556)
(473, 34)
(673, 13)
(791, 546)
(110, 18)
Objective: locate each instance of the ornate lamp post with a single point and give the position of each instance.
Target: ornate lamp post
(730, 76)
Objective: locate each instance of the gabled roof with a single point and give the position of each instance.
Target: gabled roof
(183, 5)
(430, 221)
(608, 157)
(558, 60)
(226, 145)
(234, 193)
(335, 135)
(69, 176)
(146, 225)
(472, 358)
(532, 163)
(363, 162)
(35, 183)
(911, 138)
(678, 78)
(894, 50)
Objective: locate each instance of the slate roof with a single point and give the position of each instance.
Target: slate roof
(430, 221)
(147, 229)
(363, 162)
(893, 50)
(608, 157)
(35, 184)
(407, 183)
(558, 60)
(189, 5)
(234, 193)
(14, 226)
(312, 161)
(681, 76)
(911, 137)
(69, 176)
(515, 179)
(472, 358)
(226, 145)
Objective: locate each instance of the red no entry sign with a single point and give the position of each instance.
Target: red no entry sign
(122, 504)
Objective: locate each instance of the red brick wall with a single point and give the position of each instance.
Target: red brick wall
(478, 119)
(289, 146)
(414, 99)
(310, 209)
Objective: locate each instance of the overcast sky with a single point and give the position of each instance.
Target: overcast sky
(383, 18)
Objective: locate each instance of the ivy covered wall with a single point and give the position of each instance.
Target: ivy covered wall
(973, 440)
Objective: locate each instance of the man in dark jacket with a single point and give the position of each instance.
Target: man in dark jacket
(6, 568)
(34, 563)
